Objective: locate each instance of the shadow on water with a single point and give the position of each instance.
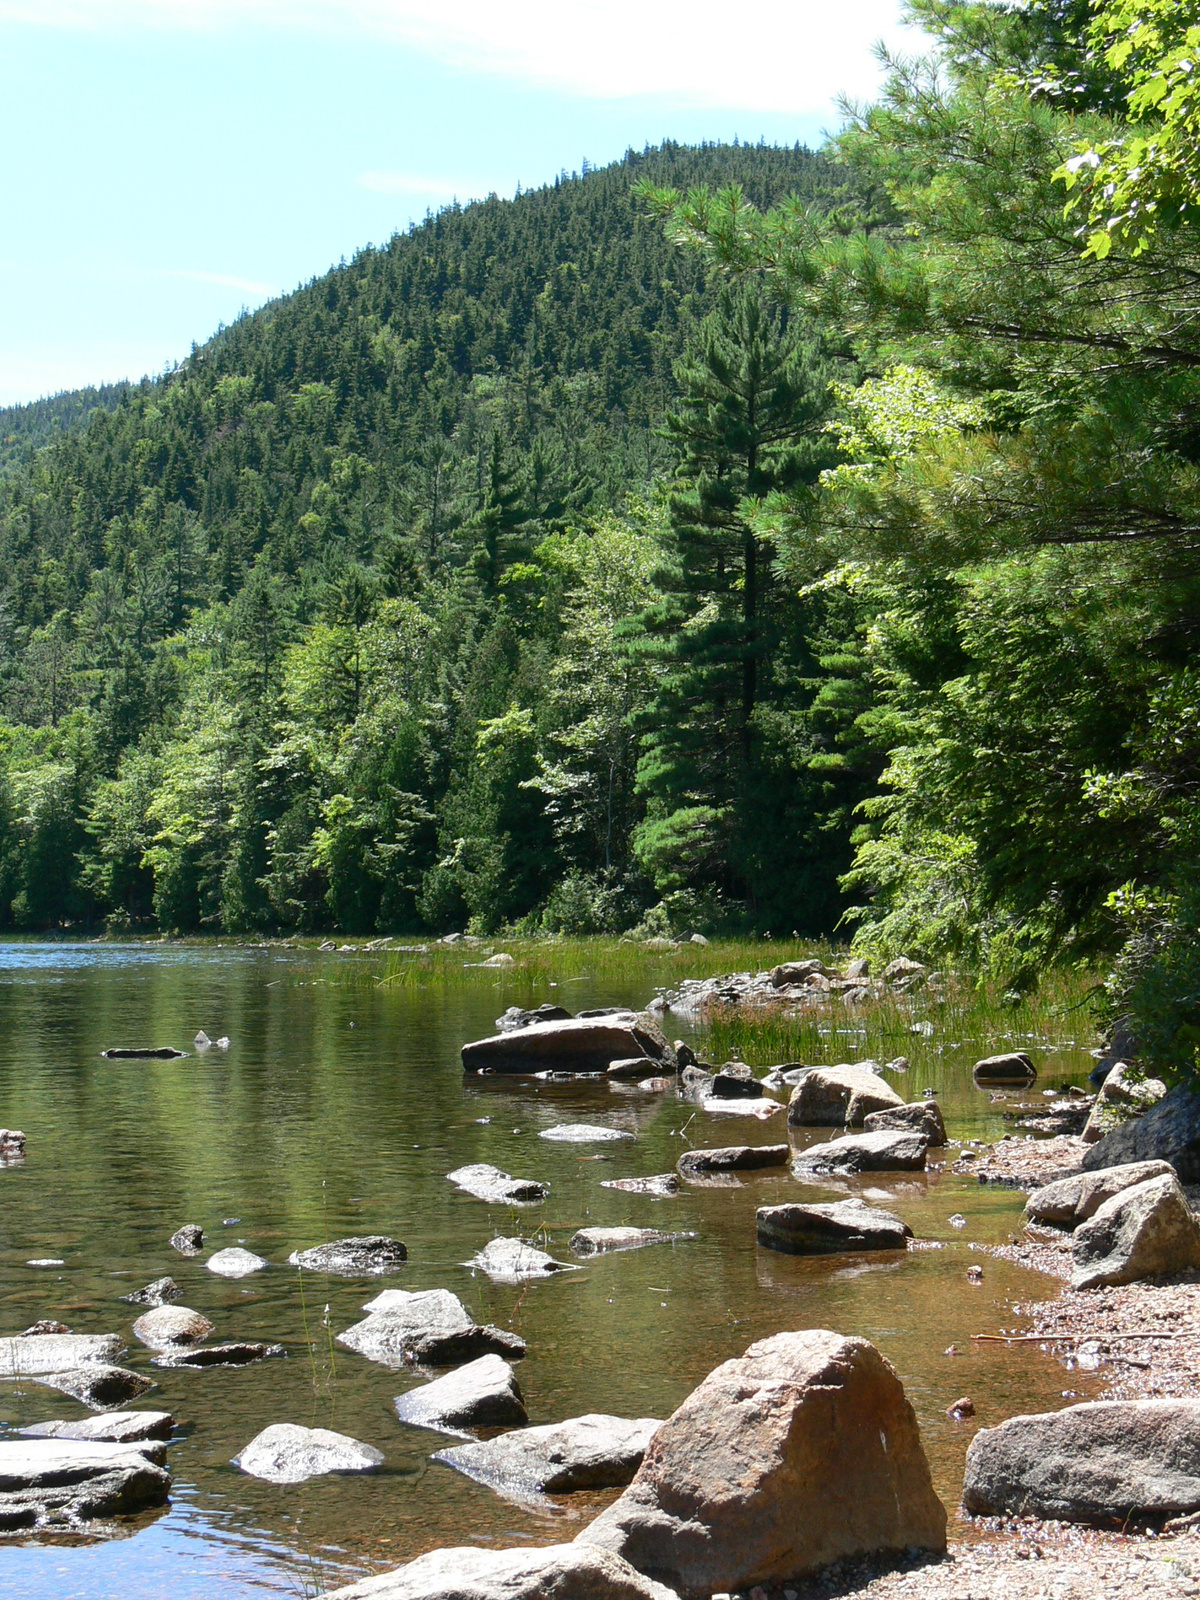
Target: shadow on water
(338, 1109)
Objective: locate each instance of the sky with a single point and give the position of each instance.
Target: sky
(169, 163)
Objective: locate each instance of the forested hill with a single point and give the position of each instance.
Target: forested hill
(25, 427)
(259, 614)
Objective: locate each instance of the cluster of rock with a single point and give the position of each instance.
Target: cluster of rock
(1128, 1223)
(795, 984)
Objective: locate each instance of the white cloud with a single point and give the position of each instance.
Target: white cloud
(415, 183)
(789, 56)
(222, 280)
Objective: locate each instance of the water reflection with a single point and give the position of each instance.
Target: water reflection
(339, 1110)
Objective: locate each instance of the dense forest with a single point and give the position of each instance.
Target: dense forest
(732, 537)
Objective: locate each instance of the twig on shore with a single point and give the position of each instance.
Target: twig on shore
(1068, 1338)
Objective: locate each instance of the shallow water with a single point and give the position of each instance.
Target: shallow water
(338, 1109)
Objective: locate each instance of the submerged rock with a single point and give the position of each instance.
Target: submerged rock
(725, 1499)
(234, 1262)
(591, 1452)
(61, 1483)
(489, 1183)
(1104, 1461)
(21, 1357)
(1069, 1201)
(582, 1044)
(188, 1239)
(1147, 1231)
(114, 1427)
(830, 1097)
(513, 1260)
(237, 1353)
(159, 1293)
(583, 1133)
(595, 1241)
(733, 1158)
(167, 1326)
(660, 1184)
(830, 1229)
(553, 1572)
(863, 1152)
(482, 1394)
(368, 1255)
(97, 1385)
(288, 1453)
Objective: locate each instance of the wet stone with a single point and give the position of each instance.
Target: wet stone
(583, 1133)
(597, 1241)
(23, 1357)
(64, 1483)
(863, 1152)
(733, 1158)
(431, 1326)
(188, 1239)
(661, 1184)
(513, 1260)
(816, 1230)
(482, 1394)
(235, 1262)
(590, 1452)
(114, 1427)
(98, 1386)
(236, 1353)
(490, 1183)
(288, 1453)
(159, 1293)
(167, 1326)
(368, 1255)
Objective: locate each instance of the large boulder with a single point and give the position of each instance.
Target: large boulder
(1067, 1202)
(597, 1241)
(1104, 1461)
(481, 1394)
(61, 1483)
(114, 1427)
(732, 1158)
(1169, 1131)
(1124, 1095)
(921, 1116)
(366, 1256)
(431, 1326)
(553, 1572)
(25, 1357)
(592, 1452)
(837, 1097)
(288, 1453)
(800, 1452)
(1148, 1231)
(824, 1230)
(580, 1044)
(863, 1152)
(490, 1183)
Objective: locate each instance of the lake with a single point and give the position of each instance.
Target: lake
(338, 1109)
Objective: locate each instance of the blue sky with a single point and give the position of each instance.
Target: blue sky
(169, 162)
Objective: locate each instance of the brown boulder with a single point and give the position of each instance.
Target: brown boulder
(842, 1096)
(800, 1452)
(921, 1116)
(1067, 1202)
(582, 1044)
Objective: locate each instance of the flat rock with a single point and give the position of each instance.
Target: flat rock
(801, 1451)
(515, 1017)
(631, 1067)
(595, 1241)
(863, 1152)
(1069, 1201)
(482, 1394)
(553, 1572)
(236, 1353)
(288, 1453)
(188, 1239)
(430, 1326)
(758, 1109)
(513, 1260)
(489, 1183)
(167, 1326)
(832, 1097)
(820, 1230)
(734, 1086)
(659, 1183)
(1011, 1066)
(97, 1385)
(369, 1255)
(1147, 1231)
(235, 1262)
(1125, 1094)
(581, 1044)
(62, 1483)
(583, 1133)
(733, 1158)
(1103, 1461)
(159, 1293)
(56, 1352)
(591, 1452)
(920, 1116)
(114, 1427)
